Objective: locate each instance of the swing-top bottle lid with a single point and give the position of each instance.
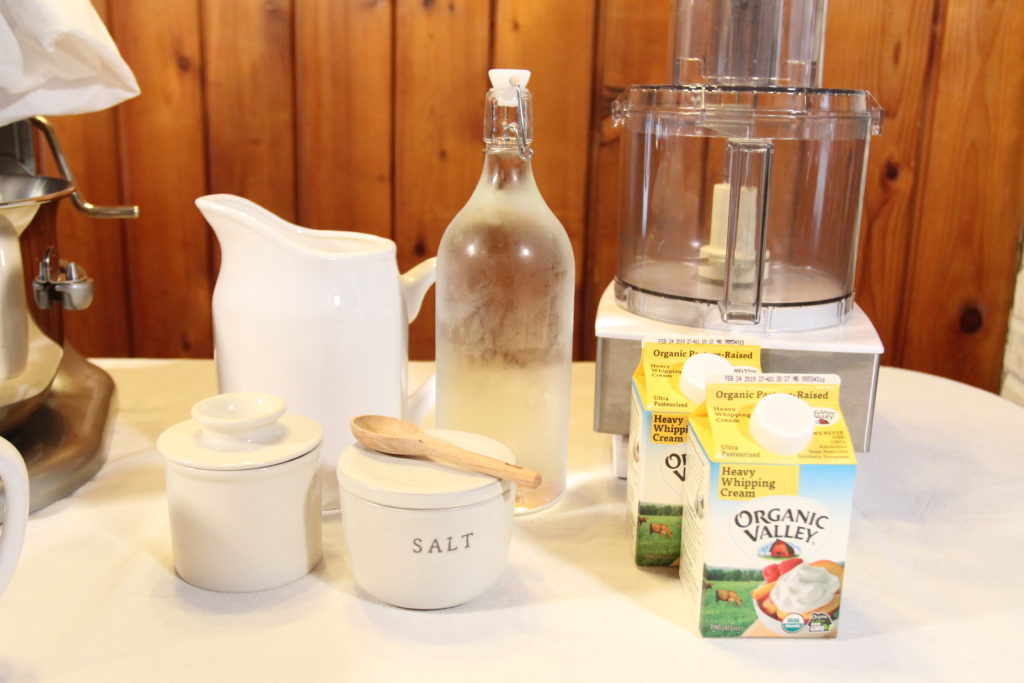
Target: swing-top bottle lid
(504, 81)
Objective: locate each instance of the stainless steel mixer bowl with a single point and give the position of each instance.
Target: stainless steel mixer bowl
(18, 190)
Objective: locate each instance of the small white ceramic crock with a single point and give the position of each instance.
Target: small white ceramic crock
(421, 535)
(243, 491)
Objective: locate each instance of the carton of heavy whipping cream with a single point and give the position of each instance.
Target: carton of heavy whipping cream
(767, 500)
(668, 386)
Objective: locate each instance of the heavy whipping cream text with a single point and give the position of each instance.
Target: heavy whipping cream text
(773, 523)
(670, 429)
(804, 588)
(733, 478)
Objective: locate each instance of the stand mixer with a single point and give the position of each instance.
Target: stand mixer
(742, 185)
(54, 405)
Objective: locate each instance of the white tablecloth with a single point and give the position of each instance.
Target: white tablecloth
(930, 592)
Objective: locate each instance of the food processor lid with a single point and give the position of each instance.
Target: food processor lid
(239, 431)
(743, 111)
(418, 483)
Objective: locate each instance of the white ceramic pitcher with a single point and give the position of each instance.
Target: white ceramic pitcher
(317, 317)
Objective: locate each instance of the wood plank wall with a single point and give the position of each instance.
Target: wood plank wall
(366, 115)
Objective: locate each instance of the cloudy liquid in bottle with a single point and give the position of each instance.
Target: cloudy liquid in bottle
(505, 282)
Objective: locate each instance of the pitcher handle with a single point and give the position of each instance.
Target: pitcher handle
(415, 283)
(15, 477)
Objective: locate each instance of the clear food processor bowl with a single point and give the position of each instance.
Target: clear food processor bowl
(741, 204)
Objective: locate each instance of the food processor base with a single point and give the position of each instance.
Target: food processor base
(851, 350)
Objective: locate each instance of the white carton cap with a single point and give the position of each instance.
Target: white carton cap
(782, 423)
(698, 368)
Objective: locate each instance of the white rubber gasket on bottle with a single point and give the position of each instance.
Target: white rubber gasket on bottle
(504, 82)
(782, 424)
(693, 378)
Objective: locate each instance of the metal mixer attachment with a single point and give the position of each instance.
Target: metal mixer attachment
(63, 282)
(85, 207)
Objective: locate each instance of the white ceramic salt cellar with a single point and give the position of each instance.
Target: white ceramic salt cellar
(422, 535)
(243, 492)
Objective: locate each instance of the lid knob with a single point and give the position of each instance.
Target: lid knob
(782, 423)
(239, 416)
(693, 379)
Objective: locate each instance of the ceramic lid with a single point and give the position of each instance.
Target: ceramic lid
(239, 431)
(418, 484)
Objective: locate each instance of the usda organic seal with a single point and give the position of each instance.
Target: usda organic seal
(792, 623)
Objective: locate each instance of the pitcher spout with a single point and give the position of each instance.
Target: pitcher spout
(236, 221)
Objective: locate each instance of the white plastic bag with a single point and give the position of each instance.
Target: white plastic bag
(56, 57)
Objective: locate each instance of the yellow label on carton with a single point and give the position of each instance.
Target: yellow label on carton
(731, 401)
(663, 362)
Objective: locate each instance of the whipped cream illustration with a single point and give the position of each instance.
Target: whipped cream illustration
(803, 588)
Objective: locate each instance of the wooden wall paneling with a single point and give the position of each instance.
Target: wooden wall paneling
(441, 59)
(632, 47)
(886, 48)
(966, 246)
(90, 145)
(345, 114)
(168, 254)
(555, 41)
(249, 95)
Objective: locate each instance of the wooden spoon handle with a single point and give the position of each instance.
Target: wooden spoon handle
(477, 462)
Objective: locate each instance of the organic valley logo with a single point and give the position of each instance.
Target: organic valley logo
(825, 416)
(772, 522)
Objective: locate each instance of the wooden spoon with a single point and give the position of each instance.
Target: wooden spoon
(398, 437)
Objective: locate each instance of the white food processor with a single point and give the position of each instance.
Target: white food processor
(741, 192)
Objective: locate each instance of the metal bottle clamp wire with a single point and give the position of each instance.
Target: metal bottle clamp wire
(525, 151)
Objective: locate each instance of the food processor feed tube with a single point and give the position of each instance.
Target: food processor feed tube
(505, 280)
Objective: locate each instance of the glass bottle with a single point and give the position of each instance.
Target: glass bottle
(505, 283)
